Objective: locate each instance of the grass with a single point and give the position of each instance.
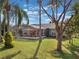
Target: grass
(24, 49)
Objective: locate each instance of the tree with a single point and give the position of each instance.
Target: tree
(8, 11)
(76, 15)
(73, 25)
(40, 40)
(58, 20)
(19, 14)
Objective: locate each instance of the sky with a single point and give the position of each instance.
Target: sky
(32, 10)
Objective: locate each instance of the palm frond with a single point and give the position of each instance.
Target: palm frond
(20, 14)
(25, 15)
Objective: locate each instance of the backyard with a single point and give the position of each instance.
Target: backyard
(24, 49)
(39, 29)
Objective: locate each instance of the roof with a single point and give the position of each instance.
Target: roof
(44, 26)
(37, 26)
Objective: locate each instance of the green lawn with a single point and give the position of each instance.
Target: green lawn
(24, 49)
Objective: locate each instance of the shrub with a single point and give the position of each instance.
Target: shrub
(2, 38)
(8, 40)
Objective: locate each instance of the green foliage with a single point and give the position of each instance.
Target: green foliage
(76, 22)
(3, 41)
(9, 40)
(76, 6)
(20, 14)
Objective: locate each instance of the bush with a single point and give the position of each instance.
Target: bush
(9, 40)
(2, 38)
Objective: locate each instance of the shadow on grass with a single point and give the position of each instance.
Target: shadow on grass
(3, 48)
(62, 55)
(27, 40)
(11, 55)
(74, 50)
(74, 53)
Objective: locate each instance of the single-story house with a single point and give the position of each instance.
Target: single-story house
(34, 30)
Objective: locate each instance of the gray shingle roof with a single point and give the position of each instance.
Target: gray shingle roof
(44, 26)
(37, 26)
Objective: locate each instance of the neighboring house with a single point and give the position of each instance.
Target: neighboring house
(34, 30)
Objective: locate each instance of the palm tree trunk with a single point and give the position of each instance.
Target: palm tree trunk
(37, 49)
(40, 40)
(7, 21)
(0, 26)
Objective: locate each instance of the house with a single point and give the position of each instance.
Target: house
(34, 30)
(44, 27)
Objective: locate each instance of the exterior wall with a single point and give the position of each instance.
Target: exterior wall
(32, 32)
(26, 31)
(52, 33)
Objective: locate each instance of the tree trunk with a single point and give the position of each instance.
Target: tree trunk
(35, 54)
(0, 27)
(7, 21)
(59, 43)
(40, 41)
(59, 37)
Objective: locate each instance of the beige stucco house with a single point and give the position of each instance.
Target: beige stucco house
(34, 30)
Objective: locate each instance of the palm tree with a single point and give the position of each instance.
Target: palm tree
(6, 8)
(19, 14)
(40, 40)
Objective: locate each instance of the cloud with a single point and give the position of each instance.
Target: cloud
(67, 17)
(46, 7)
(25, 10)
(25, 5)
(2, 16)
(45, 20)
(31, 11)
(59, 14)
(44, 15)
(33, 17)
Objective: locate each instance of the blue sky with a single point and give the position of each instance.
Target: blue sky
(32, 11)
